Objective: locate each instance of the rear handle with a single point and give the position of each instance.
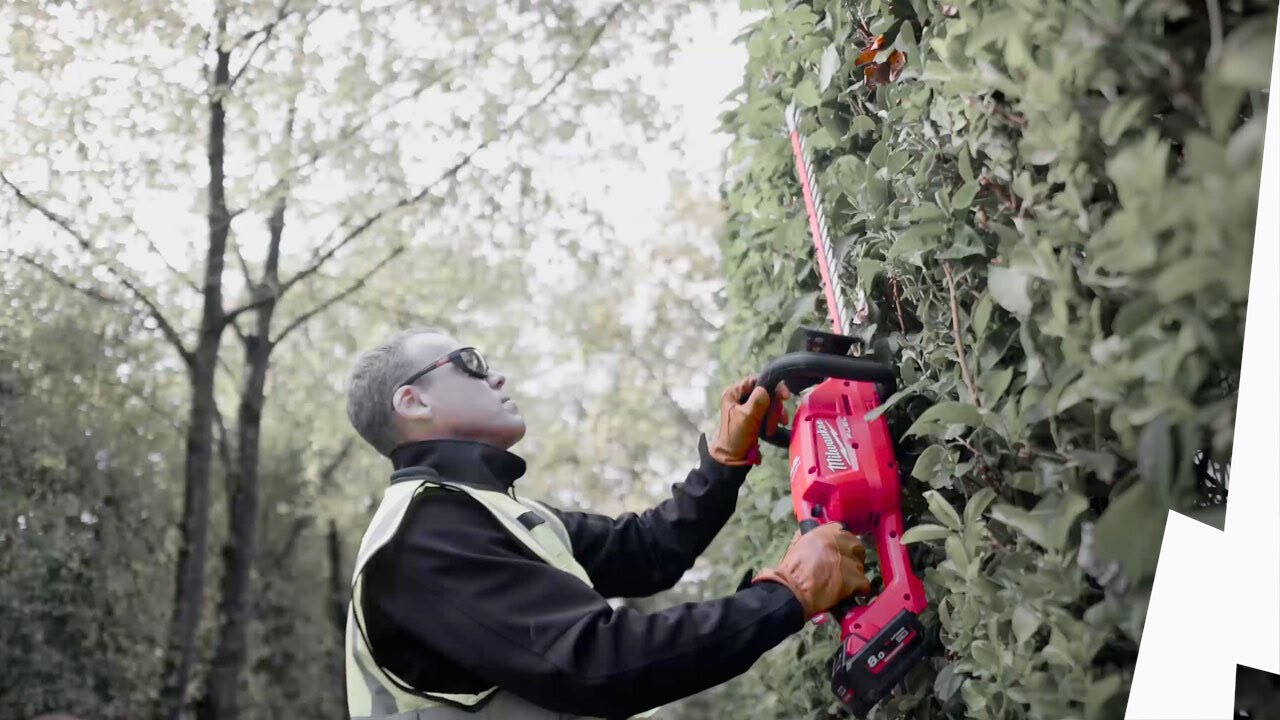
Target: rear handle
(804, 369)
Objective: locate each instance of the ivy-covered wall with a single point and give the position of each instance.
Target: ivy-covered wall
(1051, 207)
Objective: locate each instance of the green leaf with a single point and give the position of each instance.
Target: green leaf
(1098, 697)
(828, 66)
(1156, 455)
(975, 700)
(781, 508)
(993, 384)
(1049, 522)
(982, 314)
(924, 533)
(947, 682)
(1119, 117)
(926, 211)
(1057, 652)
(806, 93)
(894, 399)
(965, 243)
(964, 196)
(821, 139)
(957, 553)
(1025, 622)
(1131, 530)
(933, 467)
(1011, 289)
(944, 414)
(1183, 278)
(917, 238)
(1246, 55)
(986, 655)
(965, 166)
(978, 504)
(862, 125)
(942, 510)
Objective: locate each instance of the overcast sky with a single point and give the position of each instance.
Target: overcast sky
(706, 69)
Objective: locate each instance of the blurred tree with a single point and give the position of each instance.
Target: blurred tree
(337, 122)
(85, 440)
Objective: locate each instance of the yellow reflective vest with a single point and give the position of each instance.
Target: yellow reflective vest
(375, 692)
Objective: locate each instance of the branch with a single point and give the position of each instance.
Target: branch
(244, 264)
(170, 333)
(330, 468)
(1215, 33)
(348, 132)
(176, 273)
(224, 445)
(453, 170)
(65, 282)
(254, 304)
(326, 304)
(955, 329)
(266, 31)
(689, 423)
(136, 394)
(291, 539)
(403, 315)
(897, 302)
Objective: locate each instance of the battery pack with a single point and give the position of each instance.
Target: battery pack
(863, 674)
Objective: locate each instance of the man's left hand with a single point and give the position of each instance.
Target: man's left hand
(737, 441)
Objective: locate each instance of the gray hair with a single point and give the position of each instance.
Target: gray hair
(374, 378)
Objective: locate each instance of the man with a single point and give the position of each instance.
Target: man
(470, 601)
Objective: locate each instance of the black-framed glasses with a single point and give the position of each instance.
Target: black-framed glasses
(468, 359)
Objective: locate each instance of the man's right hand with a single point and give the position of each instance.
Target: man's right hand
(822, 567)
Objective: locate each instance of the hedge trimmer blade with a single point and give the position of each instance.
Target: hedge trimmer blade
(842, 320)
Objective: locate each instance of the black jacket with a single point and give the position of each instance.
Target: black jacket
(456, 605)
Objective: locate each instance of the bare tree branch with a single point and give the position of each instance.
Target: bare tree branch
(224, 444)
(687, 420)
(959, 337)
(279, 557)
(244, 265)
(453, 170)
(151, 243)
(353, 287)
(136, 394)
(292, 174)
(331, 467)
(65, 282)
(170, 333)
(266, 31)
(403, 314)
(254, 304)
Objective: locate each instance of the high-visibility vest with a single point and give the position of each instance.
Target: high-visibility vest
(374, 691)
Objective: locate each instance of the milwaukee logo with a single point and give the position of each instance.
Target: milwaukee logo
(843, 422)
(831, 450)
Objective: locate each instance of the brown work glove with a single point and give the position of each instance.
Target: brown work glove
(822, 567)
(737, 441)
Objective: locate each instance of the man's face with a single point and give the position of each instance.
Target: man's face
(450, 403)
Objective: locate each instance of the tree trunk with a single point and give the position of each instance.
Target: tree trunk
(189, 585)
(222, 701)
(338, 615)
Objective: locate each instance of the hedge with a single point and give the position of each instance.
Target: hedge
(1050, 206)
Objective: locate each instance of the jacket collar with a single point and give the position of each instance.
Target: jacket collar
(466, 461)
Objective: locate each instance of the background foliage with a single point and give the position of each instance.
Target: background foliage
(273, 156)
(1051, 211)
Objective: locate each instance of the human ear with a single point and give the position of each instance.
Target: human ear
(411, 403)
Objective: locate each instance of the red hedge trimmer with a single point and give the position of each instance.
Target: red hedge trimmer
(844, 469)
